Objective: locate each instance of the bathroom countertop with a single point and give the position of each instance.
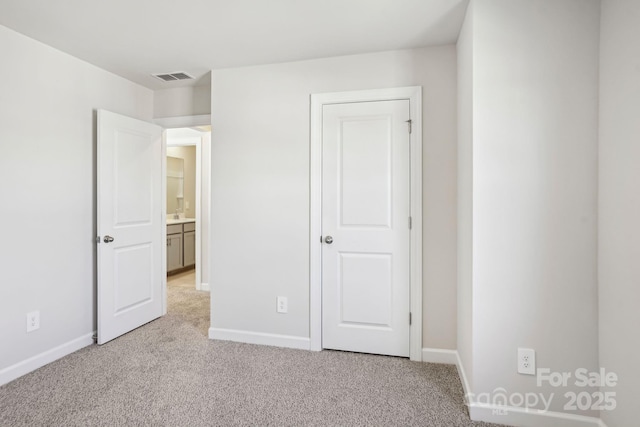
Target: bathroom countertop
(180, 221)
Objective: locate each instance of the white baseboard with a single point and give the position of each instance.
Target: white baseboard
(520, 417)
(438, 355)
(466, 389)
(13, 372)
(205, 287)
(260, 338)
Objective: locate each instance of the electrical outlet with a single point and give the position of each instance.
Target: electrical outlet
(526, 361)
(33, 321)
(281, 304)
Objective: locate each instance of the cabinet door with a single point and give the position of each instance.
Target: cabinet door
(174, 252)
(189, 248)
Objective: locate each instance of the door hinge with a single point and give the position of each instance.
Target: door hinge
(410, 223)
(409, 318)
(409, 122)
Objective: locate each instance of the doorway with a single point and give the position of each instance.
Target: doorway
(131, 219)
(366, 231)
(187, 213)
(187, 202)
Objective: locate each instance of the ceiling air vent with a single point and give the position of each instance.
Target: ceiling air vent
(170, 77)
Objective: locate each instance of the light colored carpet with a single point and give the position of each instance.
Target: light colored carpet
(186, 303)
(167, 373)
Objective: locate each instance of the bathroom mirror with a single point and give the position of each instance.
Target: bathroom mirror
(175, 185)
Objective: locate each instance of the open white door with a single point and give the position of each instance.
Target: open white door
(130, 268)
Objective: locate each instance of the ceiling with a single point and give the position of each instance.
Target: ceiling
(137, 38)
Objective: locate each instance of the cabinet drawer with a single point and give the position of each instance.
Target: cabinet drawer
(174, 229)
(189, 226)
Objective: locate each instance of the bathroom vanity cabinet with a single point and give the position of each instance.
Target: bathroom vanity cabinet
(181, 245)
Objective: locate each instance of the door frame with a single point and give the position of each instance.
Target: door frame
(414, 95)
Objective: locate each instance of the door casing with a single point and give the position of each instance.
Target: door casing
(414, 95)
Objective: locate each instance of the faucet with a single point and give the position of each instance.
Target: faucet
(176, 215)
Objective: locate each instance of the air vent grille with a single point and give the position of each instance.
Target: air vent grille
(170, 77)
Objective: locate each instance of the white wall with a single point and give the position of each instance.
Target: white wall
(47, 183)
(465, 196)
(437, 75)
(182, 101)
(619, 205)
(535, 129)
(260, 185)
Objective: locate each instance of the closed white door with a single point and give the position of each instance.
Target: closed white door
(365, 227)
(130, 268)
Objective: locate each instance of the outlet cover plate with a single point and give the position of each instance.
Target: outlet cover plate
(33, 321)
(526, 361)
(281, 304)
